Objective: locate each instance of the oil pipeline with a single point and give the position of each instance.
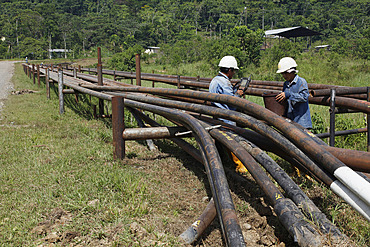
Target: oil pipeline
(188, 108)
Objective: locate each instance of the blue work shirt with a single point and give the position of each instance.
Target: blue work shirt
(296, 93)
(221, 84)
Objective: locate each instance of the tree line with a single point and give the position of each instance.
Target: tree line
(30, 28)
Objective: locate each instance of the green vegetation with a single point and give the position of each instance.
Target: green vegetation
(57, 174)
(30, 28)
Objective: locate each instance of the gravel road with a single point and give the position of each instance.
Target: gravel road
(6, 86)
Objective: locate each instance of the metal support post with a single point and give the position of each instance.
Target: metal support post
(100, 82)
(38, 75)
(33, 74)
(178, 81)
(47, 82)
(368, 121)
(118, 126)
(153, 82)
(60, 91)
(138, 70)
(99, 68)
(332, 118)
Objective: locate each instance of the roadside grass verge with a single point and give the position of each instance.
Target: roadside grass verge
(58, 181)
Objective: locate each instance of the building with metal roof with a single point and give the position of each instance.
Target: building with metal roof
(291, 32)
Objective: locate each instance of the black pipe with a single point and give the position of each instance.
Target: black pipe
(292, 189)
(216, 175)
(289, 214)
(241, 118)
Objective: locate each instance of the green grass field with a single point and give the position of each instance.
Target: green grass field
(58, 176)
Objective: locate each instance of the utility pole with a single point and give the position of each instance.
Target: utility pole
(16, 30)
(263, 18)
(245, 21)
(49, 46)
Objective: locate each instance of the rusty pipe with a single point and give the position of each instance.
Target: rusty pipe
(200, 224)
(328, 179)
(343, 132)
(260, 127)
(190, 149)
(297, 136)
(349, 103)
(323, 157)
(339, 91)
(216, 175)
(289, 214)
(153, 133)
(292, 189)
(317, 171)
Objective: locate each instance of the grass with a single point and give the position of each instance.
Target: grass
(50, 162)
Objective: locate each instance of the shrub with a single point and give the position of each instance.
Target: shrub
(125, 61)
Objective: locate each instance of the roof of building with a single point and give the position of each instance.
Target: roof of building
(291, 32)
(59, 50)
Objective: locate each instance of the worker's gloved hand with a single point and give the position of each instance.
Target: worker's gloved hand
(240, 168)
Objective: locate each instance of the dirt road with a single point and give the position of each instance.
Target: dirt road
(6, 86)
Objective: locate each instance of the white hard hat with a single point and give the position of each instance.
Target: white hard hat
(228, 62)
(286, 64)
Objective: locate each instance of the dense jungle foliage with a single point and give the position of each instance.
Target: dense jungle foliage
(186, 31)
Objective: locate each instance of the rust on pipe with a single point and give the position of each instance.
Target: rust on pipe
(368, 121)
(99, 69)
(289, 214)
(152, 133)
(33, 74)
(47, 83)
(38, 75)
(300, 139)
(138, 70)
(70, 83)
(357, 160)
(100, 81)
(293, 191)
(118, 127)
(60, 91)
(215, 172)
(204, 82)
(190, 149)
(256, 171)
(200, 224)
(258, 126)
(339, 91)
(349, 103)
(69, 91)
(343, 132)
